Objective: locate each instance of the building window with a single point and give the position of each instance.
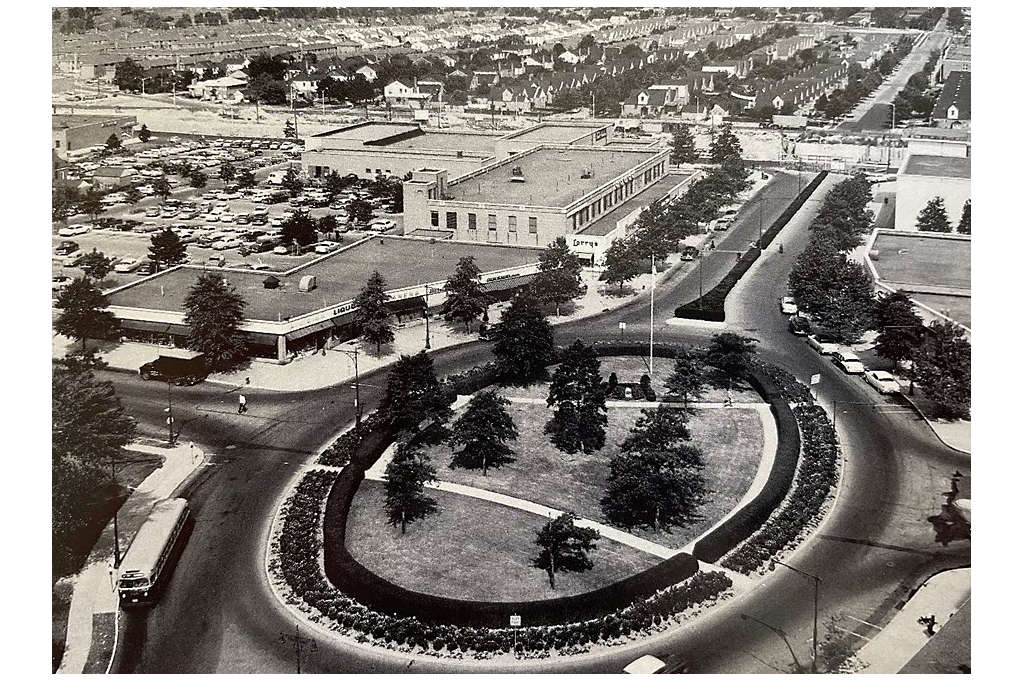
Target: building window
(492, 223)
(533, 224)
(511, 223)
(451, 220)
(433, 218)
(472, 221)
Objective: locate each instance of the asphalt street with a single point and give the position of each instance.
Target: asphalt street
(218, 614)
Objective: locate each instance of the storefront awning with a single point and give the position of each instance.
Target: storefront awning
(155, 327)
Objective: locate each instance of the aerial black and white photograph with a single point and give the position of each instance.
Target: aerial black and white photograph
(528, 339)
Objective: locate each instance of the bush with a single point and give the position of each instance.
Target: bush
(711, 306)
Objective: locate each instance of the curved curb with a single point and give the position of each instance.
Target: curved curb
(920, 413)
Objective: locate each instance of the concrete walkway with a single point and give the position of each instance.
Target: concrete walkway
(899, 641)
(94, 599)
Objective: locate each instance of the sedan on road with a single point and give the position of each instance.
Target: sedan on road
(73, 230)
(847, 361)
(882, 381)
(787, 304)
(823, 344)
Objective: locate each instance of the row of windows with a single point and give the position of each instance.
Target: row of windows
(615, 197)
(451, 221)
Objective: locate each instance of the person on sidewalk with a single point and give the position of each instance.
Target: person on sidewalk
(242, 407)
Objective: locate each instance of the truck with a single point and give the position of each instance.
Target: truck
(277, 177)
(178, 366)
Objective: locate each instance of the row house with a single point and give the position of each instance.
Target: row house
(786, 48)
(735, 68)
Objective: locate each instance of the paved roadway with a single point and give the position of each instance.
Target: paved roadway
(218, 614)
(875, 113)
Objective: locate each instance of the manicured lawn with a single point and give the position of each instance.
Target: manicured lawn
(731, 441)
(629, 369)
(473, 549)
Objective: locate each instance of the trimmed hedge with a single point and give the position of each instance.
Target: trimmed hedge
(752, 516)
(711, 306)
(815, 479)
(299, 565)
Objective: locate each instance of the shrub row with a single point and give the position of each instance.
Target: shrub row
(786, 386)
(814, 480)
(300, 568)
(711, 306)
(752, 516)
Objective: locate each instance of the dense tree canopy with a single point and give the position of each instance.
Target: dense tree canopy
(82, 312)
(578, 396)
(373, 317)
(524, 344)
(214, 312)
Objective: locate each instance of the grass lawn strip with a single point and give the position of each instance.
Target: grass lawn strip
(732, 442)
(473, 549)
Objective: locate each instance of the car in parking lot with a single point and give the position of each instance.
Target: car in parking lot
(325, 246)
(74, 230)
(153, 212)
(823, 343)
(281, 250)
(882, 381)
(212, 217)
(188, 215)
(59, 283)
(65, 247)
(787, 304)
(225, 244)
(127, 265)
(847, 361)
(382, 225)
(146, 227)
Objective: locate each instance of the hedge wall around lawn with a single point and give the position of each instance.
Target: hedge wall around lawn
(298, 564)
(711, 306)
(752, 516)
(814, 481)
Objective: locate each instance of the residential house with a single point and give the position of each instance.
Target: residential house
(953, 105)
(223, 89)
(405, 93)
(109, 177)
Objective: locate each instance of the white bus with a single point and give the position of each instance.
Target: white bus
(146, 560)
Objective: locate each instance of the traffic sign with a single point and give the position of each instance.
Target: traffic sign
(515, 620)
(815, 378)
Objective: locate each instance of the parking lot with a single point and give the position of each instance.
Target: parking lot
(221, 224)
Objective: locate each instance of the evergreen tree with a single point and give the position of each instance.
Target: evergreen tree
(662, 428)
(334, 184)
(360, 211)
(228, 171)
(113, 143)
(621, 263)
(933, 217)
(653, 488)
(300, 230)
(726, 146)
(373, 317)
(964, 227)
(524, 344)
(466, 300)
(292, 182)
(289, 129)
(482, 431)
(82, 312)
(565, 547)
(413, 395)
(899, 327)
(92, 202)
(405, 475)
(689, 376)
(578, 395)
(683, 148)
(162, 187)
(144, 134)
(214, 311)
(559, 280)
(943, 369)
(730, 354)
(166, 248)
(95, 265)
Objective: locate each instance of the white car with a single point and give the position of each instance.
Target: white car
(382, 225)
(645, 665)
(127, 265)
(74, 230)
(882, 381)
(325, 247)
(72, 258)
(226, 244)
(847, 361)
(281, 250)
(822, 344)
(212, 217)
(788, 305)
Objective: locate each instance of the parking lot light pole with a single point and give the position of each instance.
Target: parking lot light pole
(817, 584)
(354, 353)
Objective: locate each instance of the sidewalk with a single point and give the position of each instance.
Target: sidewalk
(89, 649)
(899, 641)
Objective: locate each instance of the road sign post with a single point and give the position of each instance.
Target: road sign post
(515, 621)
(815, 379)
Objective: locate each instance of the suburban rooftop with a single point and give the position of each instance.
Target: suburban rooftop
(553, 176)
(938, 166)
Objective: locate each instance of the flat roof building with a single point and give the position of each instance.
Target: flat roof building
(922, 177)
(287, 317)
(534, 197)
(75, 132)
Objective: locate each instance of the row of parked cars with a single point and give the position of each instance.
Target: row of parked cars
(844, 358)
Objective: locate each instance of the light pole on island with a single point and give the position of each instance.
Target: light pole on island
(354, 353)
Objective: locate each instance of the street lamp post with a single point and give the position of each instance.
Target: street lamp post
(354, 353)
(817, 584)
(117, 540)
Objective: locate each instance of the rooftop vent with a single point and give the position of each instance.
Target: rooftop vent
(517, 174)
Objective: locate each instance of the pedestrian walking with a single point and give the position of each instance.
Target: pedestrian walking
(242, 407)
(782, 249)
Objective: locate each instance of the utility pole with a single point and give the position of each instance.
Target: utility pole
(299, 643)
(654, 276)
(117, 540)
(354, 353)
(170, 416)
(426, 313)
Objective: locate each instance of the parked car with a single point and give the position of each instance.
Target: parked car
(824, 344)
(847, 361)
(72, 259)
(74, 230)
(182, 371)
(689, 253)
(882, 381)
(147, 268)
(787, 304)
(382, 225)
(325, 246)
(281, 250)
(60, 282)
(65, 247)
(799, 325)
(127, 265)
